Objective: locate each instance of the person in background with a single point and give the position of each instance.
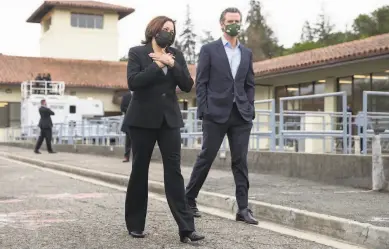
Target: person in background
(39, 77)
(45, 125)
(126, 100)
(225, 103)
(154, 71)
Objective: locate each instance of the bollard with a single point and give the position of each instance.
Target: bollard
(378, 176)
(357, 145)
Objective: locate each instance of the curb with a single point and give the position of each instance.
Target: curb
(363, 234)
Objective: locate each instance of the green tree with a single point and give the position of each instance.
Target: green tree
(258, 36)
(187, 38)
(177, 44)
(374, 24)
(206, 38)
(319, 35)
(323, 30)
(307, 33)
(124, 58)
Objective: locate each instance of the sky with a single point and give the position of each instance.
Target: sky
(285, 17)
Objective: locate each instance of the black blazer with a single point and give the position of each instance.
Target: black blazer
(154, 93)
(125, 102)
(45, 121)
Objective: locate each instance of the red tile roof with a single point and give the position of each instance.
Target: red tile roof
(48, 5)
(79, 73)
(372, 46)
(105, 74)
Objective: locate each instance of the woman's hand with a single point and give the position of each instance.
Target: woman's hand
(166, 59)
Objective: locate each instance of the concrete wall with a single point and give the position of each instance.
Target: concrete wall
(62, 40)
(346, 170)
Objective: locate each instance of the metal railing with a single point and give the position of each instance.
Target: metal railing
(283, 133)
(300, 131)
(369, 133)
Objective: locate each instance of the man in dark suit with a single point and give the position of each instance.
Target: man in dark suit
(225, 102)
(123, 107)
(46, 125)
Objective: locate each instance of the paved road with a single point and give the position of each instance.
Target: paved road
(291, 192)
(42, 210)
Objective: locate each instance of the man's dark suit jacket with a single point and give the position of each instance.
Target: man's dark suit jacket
(154, 93)
(216, 87)
(45, 121)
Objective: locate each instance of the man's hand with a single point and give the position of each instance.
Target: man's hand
(165, 59)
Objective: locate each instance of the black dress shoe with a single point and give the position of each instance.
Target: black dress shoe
(37, 152)
(52, 152)
(137, 234)
(246, 215)
(192, 236)
(195, 211)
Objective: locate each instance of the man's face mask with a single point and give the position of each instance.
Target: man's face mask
(164, 38)
(232, 29)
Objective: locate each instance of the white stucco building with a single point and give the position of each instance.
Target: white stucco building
(79, 29)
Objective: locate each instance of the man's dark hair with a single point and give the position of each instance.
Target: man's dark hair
(43, 101)
(155, 26)
(229, 10)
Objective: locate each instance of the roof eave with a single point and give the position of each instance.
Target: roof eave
(123, 14)
(325, 65)
(37, 16)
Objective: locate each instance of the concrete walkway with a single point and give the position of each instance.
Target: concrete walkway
(355, 204)
(44, 210)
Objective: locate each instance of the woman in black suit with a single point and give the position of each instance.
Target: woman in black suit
(154, 71)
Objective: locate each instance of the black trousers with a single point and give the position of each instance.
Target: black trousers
(238, 133)
(46, 134)
(127, 148)
(169, 142)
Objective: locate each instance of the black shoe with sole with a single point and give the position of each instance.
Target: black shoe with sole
(193, 236)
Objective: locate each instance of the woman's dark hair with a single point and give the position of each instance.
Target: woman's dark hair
(155, 26)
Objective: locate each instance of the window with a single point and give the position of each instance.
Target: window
(14, 114)
(319, 88)
(306, 104)
(380, 82)
(361, 83)
(345, 85)
(72, 109)
(4, 115)
(86, 21)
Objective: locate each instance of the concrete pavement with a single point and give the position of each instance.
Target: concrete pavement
(293, 202)
(44, 210)
(292, 192)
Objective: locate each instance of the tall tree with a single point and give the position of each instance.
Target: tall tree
(124, 58)
(258, 36)
(374, 24)
(323, 29)
(307, 33)
(206, 38)
(188, 39)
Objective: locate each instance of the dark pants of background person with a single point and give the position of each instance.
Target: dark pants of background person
(46, 134)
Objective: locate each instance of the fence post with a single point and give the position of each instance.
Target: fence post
(345, 116)
(281, 127)
(378, 176)
(273, 126)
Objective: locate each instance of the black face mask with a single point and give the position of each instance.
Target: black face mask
(163, 38)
